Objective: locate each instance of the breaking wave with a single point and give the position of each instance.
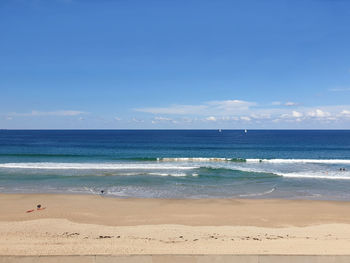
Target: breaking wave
(316, 161)
(316, 176)
(216, 167)
(200, 159)
(93, 166)
(219, 159)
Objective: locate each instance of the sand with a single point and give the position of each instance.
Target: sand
(94, 225)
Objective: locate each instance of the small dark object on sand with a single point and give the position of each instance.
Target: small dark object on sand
(102, 192)
(39, 207)
(105, 236)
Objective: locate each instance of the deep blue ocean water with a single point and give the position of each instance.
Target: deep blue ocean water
(307, 164)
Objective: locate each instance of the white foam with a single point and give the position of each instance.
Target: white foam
(172, 169)
(219, 159)
(335, 175)
(304, 174)
(194, 159)
(259, 194)
(169, 174)
(94, 166)
(237, 167)
(315, 176)
(320, 161)
(86, 189)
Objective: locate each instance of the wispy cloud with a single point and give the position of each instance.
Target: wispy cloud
(160, 119)
(288, 103)
(240, 111)
(345, 113)
(245, 118)
(210, 118)
(137, 120)
(48, 113)
(318, 113)
(174, 109)
(340, 89)
(223, 107)
(297, 114)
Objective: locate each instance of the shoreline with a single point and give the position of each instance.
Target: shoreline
(94, 225)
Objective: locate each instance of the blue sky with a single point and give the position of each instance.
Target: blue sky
(174, 64)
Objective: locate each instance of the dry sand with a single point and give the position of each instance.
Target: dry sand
(90, 225)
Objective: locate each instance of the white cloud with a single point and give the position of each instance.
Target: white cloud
(175, 109)
(318, 113)
(245, 118)
(284, 116)
(137, 120)
(117, 119)
(234, 112)
(296, 114)
(288, 103)
(345, 112)
(299, 116)
(232, 105)
(211, 118)
(223, 107)
(260, 116)
(162, 119)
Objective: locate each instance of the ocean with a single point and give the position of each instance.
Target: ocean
(290, 164)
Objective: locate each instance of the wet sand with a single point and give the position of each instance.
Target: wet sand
(94, 225)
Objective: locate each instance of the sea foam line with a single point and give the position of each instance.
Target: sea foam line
(320, 175)
(163, 166)
(321, 161)
(259, 194)
(314, 176)
(93, 166)
(194, 159)
(253, 160)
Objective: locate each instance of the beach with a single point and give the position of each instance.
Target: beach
(174, 193)
(97, 225)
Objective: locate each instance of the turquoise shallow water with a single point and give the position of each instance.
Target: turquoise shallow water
(178, 163)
